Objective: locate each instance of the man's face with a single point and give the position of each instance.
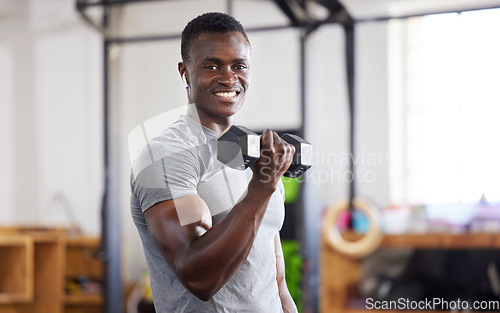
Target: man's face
(218, 73)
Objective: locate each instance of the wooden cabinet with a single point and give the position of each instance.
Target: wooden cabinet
(36, 265)
(341, 275)
(16, 269)
(82, 262)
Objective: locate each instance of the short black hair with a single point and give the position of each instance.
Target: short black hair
(213, 22)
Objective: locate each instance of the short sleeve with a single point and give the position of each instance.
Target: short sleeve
(165, 171)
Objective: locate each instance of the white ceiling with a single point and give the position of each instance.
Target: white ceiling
(359, 9)
(367, 9)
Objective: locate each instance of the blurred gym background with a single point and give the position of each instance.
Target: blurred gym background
(399, 99)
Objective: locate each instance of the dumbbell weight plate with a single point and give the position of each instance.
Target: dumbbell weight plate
(238, 147)
(302, 159)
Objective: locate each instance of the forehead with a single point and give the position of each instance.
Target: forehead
(219, 45)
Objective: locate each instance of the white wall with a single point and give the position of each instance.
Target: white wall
(372, 112)
(50, 116)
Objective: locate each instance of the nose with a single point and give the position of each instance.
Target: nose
(227, 77)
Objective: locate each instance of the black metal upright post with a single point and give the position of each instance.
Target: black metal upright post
(307, 292)
(111, 229)
(303, 94)
(229, 7)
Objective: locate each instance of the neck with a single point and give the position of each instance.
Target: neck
(215, 123)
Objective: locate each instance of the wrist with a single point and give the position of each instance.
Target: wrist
(260, 188)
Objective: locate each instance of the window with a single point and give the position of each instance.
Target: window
(445, 108)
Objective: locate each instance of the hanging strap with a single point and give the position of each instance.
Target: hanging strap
(349, 54)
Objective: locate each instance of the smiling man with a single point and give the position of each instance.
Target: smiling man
(210, 233)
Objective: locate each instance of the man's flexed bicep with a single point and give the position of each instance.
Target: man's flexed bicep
(175, 240)
(203, 256)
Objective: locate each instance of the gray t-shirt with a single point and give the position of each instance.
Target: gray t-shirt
(180, 162)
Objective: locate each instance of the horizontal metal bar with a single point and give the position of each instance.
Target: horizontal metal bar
(387, 18)
(139, 39)
(144, 38)
(81, 4)
(268, 28)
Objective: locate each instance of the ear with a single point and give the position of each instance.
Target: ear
(181, 67)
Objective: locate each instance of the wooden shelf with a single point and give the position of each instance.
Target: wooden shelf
(84, 299)
(436, 240)
(35, 264)
(82, 258)
(340, 275)
(16, 269)
(82, 261)
(442, 241)
(83, 242)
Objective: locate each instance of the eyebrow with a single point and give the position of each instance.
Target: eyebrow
(217, 60)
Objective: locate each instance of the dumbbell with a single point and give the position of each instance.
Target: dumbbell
(239, 147)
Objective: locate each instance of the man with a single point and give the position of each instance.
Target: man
(210, 233)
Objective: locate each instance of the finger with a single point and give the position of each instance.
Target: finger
(276, 138)
(267, 138)
(290, 151)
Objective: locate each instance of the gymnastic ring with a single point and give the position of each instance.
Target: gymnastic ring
(359, 248)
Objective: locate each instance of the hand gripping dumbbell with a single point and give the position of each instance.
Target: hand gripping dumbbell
(239, 147)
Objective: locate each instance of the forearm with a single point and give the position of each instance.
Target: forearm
(287, 302)
(225, 247)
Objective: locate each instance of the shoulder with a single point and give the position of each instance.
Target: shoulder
(183, 142)
(176, 139)
(185, 133)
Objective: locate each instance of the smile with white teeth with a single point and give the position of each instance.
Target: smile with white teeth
(226, 94)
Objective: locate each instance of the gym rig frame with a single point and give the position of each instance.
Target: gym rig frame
(296, 11)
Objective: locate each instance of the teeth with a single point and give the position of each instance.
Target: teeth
(226, 94)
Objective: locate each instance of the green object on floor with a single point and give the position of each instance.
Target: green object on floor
(293, 270)
(292, 188)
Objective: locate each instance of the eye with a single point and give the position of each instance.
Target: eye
(240, 67)
(211, 67)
